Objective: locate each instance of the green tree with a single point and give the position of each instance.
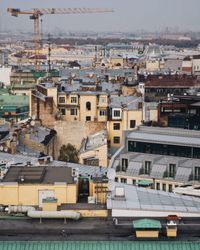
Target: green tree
(68, 153)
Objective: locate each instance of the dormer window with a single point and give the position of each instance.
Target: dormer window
(124, 164)
(116, 113)
(172, 170)
(197, 173)
(147, 167)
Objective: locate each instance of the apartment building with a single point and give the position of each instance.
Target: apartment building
(160, 158)
(125, 113)
(83, 106)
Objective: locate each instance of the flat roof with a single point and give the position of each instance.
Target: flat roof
(142, 199)
(172, 136)
(39, 174)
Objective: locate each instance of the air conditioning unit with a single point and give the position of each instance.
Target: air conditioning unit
(74, 172)
(119, 192)
(91, 200)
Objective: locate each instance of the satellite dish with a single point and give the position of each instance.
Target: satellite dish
(32, 123)
(111, 174)
(1, 148)
(111, 186)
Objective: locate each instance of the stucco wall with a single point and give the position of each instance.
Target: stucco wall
(74, 132)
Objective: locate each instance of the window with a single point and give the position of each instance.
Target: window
(88, 105)
(197, 173)
(172, 170)
(124, 164)
(147, 167)
(61, 99)
(88, 118)
(63, 111)
(102, 112)
(170, 188)
(116, 126)
(73, 111)
(164, 187)
(116, 139)
(116, 179)
(91, 162)
(103, 99)
(134, 182)
(117, 113)
(123, 180)
(132, 123)
(73, 100)
(157, 186)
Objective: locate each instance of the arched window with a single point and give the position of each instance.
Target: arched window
(88, 105)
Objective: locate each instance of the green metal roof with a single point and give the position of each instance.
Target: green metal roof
(144, 182)
(3, 91)
(146, 224)
(98, 245)
(13, 100)
(49, 200)
(25, 85)
(37, 74)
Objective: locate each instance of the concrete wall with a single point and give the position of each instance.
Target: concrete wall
(102, 213)
(28, 194)
(5, 74)
(98, 153)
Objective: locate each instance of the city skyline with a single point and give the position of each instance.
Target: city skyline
(128, 16)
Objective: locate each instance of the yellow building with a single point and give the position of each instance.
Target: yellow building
(116, 62)
(83, 106)
(29, 186)
(125, 114)
(55, 188)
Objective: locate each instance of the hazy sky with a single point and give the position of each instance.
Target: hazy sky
(129, 15)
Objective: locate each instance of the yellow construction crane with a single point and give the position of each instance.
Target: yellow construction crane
(36, 13)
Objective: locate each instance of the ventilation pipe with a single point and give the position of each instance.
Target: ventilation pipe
(54, 214)
(32, 213)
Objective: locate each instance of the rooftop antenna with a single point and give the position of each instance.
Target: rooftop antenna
(49, 55)
(41, 32)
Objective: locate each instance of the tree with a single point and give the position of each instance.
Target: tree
(68, 153)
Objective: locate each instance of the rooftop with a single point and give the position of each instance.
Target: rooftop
(170, 81)
(141, 199)
(94, 141)
(130, 102)
(159, 166)
(40, 174)
(98, 245)
(22, 160)
(173, 136)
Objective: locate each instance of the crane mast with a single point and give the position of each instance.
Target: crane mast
(36, 13)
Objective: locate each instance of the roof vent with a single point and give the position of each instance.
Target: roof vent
(119, 192)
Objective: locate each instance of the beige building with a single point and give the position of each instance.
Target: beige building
(116, 62)
(29, 186)
(83, 106)
(57, 189)
(94, 150)
(125, 113)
